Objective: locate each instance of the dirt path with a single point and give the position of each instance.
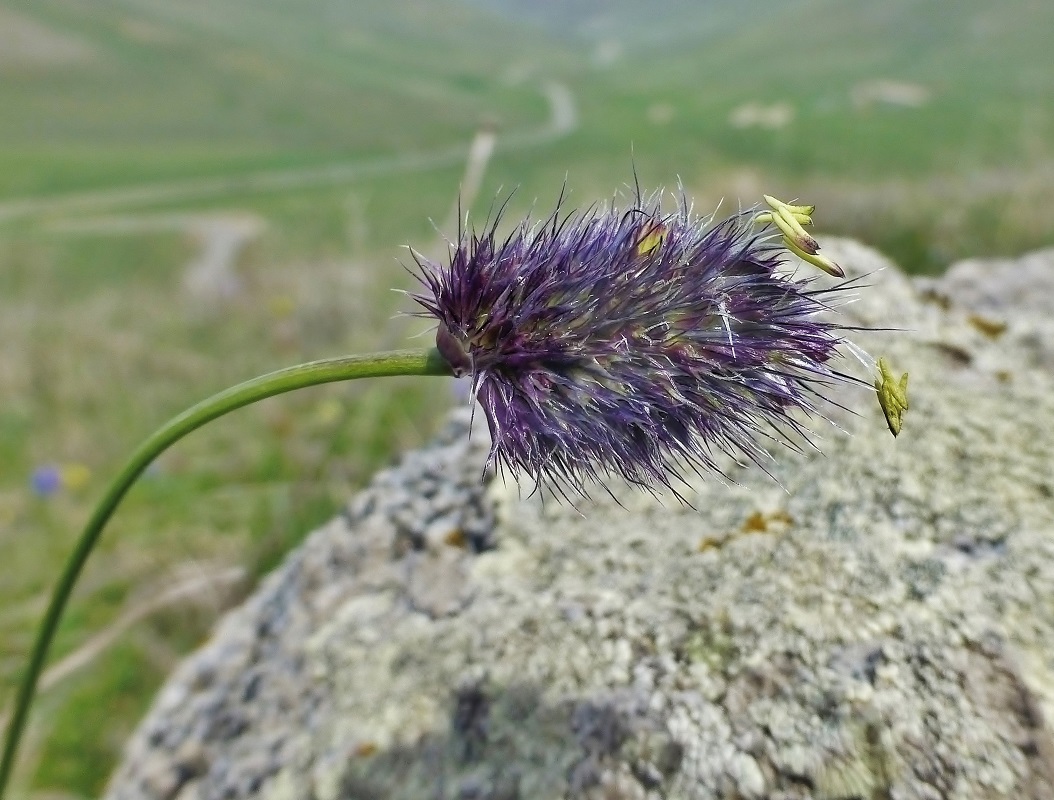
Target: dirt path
(563, 119)
(212, 275)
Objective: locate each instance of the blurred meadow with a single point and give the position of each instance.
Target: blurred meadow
(193, 192)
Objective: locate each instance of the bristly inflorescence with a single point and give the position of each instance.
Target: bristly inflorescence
(632, 342)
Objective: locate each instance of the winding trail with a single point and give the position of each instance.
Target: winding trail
(221, 236)
(563, 120)
(212, 275)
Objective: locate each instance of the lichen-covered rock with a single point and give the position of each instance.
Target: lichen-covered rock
(876, 621)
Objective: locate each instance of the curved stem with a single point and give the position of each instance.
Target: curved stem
(400, 362)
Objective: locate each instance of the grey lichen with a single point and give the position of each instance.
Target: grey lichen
(878, 624)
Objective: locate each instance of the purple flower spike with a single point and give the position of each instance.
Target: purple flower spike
(631, 342)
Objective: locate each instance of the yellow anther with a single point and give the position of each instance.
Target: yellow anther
(815, 259)
(766, 217)
(776, 204)
(651, 238)
(793, 231)
(805, 211)
(892, 395)
(790, 219)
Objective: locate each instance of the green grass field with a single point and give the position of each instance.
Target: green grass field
(338, 132)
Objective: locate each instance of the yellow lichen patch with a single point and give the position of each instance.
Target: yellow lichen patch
(757, 522)
(708, 543)
(760, 522)
(456, 538)
(365, 749)
(992, 328)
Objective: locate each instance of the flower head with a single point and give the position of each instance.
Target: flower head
(631, 341)
(46, 480)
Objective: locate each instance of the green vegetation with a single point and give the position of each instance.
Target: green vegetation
(75, 754)
(334, 133)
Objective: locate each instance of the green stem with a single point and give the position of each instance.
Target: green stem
(400, 362)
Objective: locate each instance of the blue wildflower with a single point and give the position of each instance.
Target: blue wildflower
(46, 480)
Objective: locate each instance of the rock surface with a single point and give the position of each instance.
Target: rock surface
(876, 622)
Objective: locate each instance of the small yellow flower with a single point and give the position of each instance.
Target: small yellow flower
(74, 476)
